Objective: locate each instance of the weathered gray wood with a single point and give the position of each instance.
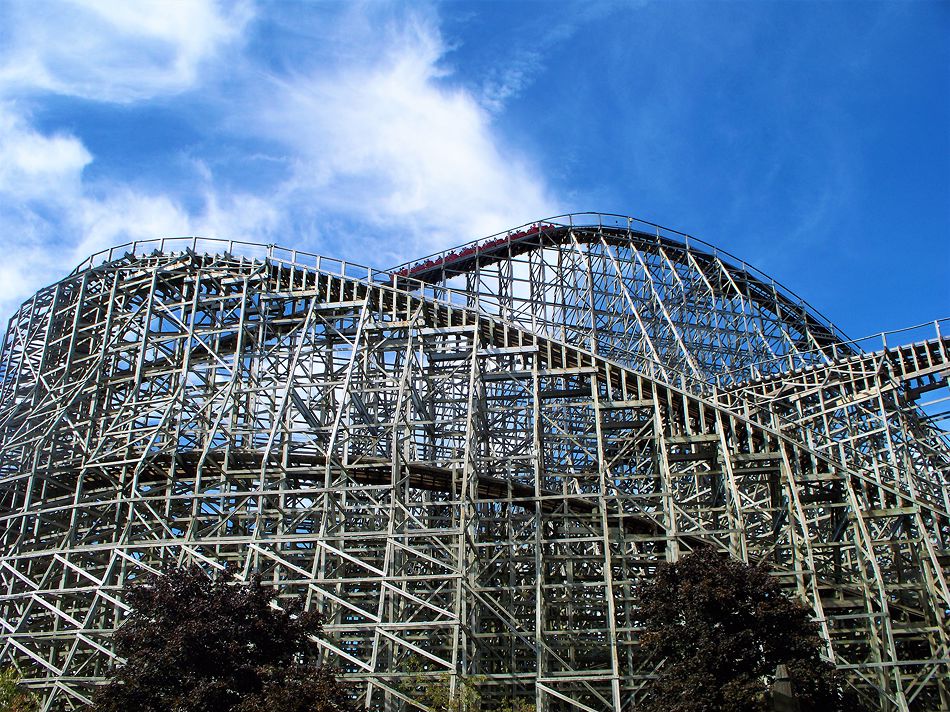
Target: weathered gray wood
(474, 480)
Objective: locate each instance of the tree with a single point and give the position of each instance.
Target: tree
(13, 696)
(434, 691)
(197, 644)
(720, 628)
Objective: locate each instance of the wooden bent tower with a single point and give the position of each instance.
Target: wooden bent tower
(469, 462)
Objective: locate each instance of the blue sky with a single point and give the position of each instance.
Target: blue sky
(811, 139)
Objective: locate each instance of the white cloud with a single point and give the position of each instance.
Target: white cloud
(510, 80)
(393, 143)
(51, 215)
(34, 166)
(51, 218)
(379, 139)
(113, 51)
(38, 175)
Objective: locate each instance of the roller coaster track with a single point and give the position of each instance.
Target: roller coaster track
(822, 388)
(448, 482)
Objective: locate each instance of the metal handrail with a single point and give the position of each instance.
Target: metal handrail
(579, 219)
(678, 380)
(463, 298)
(616, 220)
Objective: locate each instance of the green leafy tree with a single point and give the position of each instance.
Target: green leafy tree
(721, 627)
(13, 696)
(197, 644)
(434, 691)
(517, 704)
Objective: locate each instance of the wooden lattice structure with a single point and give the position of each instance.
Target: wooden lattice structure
(468, 463)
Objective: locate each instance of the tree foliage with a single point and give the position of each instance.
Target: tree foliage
(434, 691)
(13, 696)
(517, 704)
(197, 644)
(721, 627)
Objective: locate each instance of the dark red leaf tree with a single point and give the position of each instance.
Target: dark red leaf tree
(720, 628)
(193, 643)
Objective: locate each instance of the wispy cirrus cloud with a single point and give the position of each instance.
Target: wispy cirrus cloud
(36, 172)
(116, 52)
(51, 216)
(51, 213)
(392, 142)
(34, 166)
(373, 136)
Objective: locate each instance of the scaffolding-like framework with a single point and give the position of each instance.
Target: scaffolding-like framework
(469, 463)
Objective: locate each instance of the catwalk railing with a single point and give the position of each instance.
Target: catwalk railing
(931, 483)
